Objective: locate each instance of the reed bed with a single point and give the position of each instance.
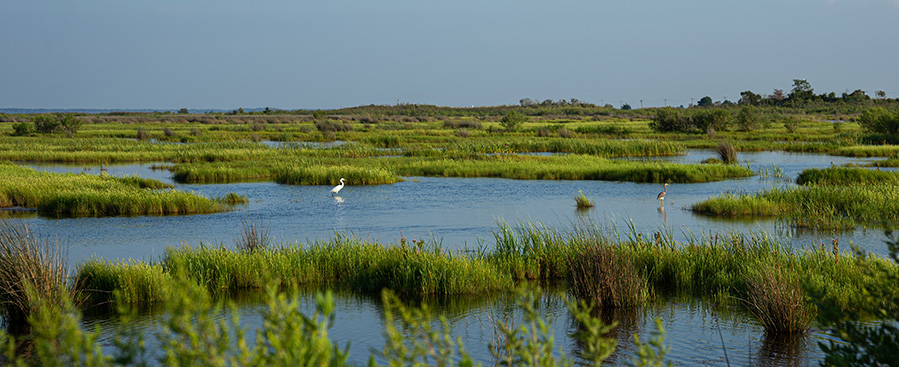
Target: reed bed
(712, 267)
(846, 176)
(868, 151)
(329, 175)
(90, 195)
(776, 298)
(565, 167)
(814, 206)
(597, 147)
(345, 263)
(606, 279)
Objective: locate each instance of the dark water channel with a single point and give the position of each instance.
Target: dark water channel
(463, 213)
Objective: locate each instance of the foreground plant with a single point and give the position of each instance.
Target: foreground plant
(198, 331)
(32, 272)
(777, 300)
(866, 345)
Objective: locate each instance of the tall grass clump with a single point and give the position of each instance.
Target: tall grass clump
(777, 300)
(583, 202)
(132, 282)
(605, 279)
(252, 237)
(32, 270)
(726, 152)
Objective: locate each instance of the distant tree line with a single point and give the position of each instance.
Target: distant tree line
(803, 93)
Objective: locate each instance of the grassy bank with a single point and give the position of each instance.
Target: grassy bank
(834, 198)
(97, 195)
(718, 267)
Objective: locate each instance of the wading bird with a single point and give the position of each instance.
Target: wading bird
(338, 187)
(662, 195)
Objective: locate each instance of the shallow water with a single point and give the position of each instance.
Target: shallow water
(463, 213)
(458, 212)
(695, 334)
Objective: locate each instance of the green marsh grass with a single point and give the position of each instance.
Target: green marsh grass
(564, 167)
(712, 267)
(597, 147)
(91, 195)
(846, 177)
(329, 175)
(813, 206)
(778, 301)
(605, 279)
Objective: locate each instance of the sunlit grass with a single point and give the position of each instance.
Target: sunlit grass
(96, 195)
(712, 267)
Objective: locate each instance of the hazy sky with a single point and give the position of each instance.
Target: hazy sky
(336, 53)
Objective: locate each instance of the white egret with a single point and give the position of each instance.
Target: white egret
(338, 187)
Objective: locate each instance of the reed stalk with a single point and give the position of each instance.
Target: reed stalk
(32, 272)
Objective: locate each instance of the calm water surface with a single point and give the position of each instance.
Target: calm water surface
(463, 213)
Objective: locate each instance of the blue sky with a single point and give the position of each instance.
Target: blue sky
(327, 54)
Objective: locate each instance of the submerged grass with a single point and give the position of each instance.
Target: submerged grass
(90, 195)
(583, 202)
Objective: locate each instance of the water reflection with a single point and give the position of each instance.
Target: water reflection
(692, 328)
(782, 350)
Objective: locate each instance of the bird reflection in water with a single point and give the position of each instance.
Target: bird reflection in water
(663, 215)
(338, 200)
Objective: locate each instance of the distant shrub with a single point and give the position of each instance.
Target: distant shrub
(258, 127)
(791, 124)
(749, 118)
(195, 132)
(712, 120)
(22, 128)
(606, 130)
(544, 132)
(70, 123)
(459, 124)
(368, 120)
(463, 133)
(879, 120)
(512, 120)
(142, 135)
(565, 133)
(45, 123)
(168, 132)
(670, 119)
(332, 126)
